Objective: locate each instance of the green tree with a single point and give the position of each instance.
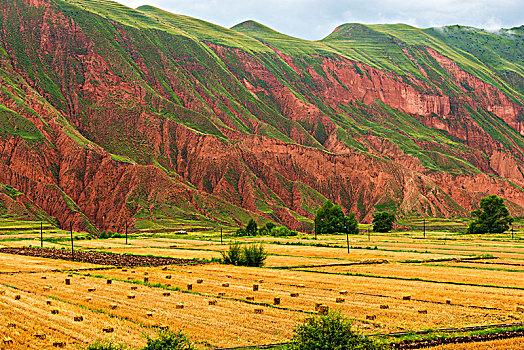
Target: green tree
(330, 219)
(251, 227)
(383, 221)
(492, 217)
(329, 332)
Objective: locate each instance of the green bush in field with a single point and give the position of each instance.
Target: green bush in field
(492, 217)
(253, 255)
(168, 340)
(233, 255)
(106, 345)
(250, 255)
(383, 221)
(329, 332)
(330, 219)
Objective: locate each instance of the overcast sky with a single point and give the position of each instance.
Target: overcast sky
(314, 19)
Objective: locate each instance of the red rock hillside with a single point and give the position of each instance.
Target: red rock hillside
(109, 114)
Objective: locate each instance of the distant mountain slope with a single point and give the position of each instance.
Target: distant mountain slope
(109, 114)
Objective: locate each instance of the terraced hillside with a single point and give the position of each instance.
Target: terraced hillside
(110, 115)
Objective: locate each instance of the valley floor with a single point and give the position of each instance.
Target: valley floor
(386, 283)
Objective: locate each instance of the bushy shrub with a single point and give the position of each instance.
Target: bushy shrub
(250, 255)
(282, 231)
(329, 332)
(233, 255)
(241, 232)
(168, 340)
(253, 255)
(106, 345)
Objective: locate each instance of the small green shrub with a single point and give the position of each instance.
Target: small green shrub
(106, 345)
(329, 332)
(251, 255)
(233, 255)
(168, 340)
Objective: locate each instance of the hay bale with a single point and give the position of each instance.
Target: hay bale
(276, 301)
(7, 340)
(179, 306)
(424, 311)
(259, 311)
(163, 326)
(406, 297)
(229, 276)
(132, 271)
(109, 281)
(78, 318)
(340, 300)
(88, 299)
(149, 314)
(384, 306)
(260, 281)
(166, 294)
(168, 277)
(43, 277)
(130, 296)
(134, 287)
(255, 287)
(40, 335)
(130, 278)
(68, 281)
(124, 270)
(108, 329)
(91, 289)
(11, 325)
(448, 301)
(146, 273)
(113, 306)
(146, 279)
(343, 292)
(371, 317)
(323, 309)
(317, 306)
(70, 275)
(189, 287)
(225, 285)
(48, 302)
(250, 298)
(293, 295)
(212, 302)
(221, 294)
(301, 286)
(199, 281)
(2, 292)
(519, 308)
(47, 288)
(18, 297)
(55, 311)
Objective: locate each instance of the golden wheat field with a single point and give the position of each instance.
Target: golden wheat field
(384, 283)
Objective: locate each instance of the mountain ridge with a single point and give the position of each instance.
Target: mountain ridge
(146, 114)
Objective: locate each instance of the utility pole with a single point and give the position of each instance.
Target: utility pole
(41, 235)
(369, 237)
(424, 228)
(512, 231)
(221, 236)
(347, 238)
(126, 232)
(72, 248)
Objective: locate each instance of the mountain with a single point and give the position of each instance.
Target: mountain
(110, 115)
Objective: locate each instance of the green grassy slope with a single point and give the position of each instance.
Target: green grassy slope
(125, 79)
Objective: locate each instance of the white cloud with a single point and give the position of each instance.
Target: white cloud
(314, 19)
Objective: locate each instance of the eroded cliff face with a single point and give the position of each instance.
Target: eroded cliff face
(200, 126)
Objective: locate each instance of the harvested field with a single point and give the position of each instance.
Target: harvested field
(449, 279)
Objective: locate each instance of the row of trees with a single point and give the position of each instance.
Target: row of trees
(491, 217)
